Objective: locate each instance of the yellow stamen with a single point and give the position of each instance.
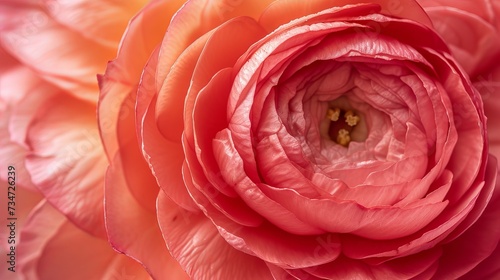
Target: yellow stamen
(351, 119)
(343, 137)
(333, 114)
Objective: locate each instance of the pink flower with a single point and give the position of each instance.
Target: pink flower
(51, 52)
(472, 29)
(324, 142)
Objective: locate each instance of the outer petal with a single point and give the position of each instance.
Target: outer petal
(67, 161)
(105, 25)
(197, 245)
(118, 85)
(118, 91)
(132, 229)
(53, 248)
(25, 201)
(165, 157)
(478, 242)
(489, 87)
(474, 42)
(56, 53)
(273, 16)
(196, 18)
(21, 91)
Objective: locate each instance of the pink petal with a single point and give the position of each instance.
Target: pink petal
(56, 53)
(350, 217)
(118, 84)
(270, 243)
(25, 200)
(232, 208)
(473, 41)
(273, 16)
(196, 18)
(454, 219)
(487, 269)
(489, 87)
(21, 92)
(404, 268)
(480, 240)
(165, 157)
(106, 23)
(133, 230)
(228, 161)
(48, 239)
(232, 39)
(67, 162)
(169, 109)
(196, 244)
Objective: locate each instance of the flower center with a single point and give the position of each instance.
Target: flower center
(341, 125)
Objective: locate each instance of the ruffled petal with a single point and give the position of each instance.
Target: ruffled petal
(54, 52)
(480, 240)
(473, 41)
(49, 238)
(20, 92)
(105, 26)
(196, 18)
(274, 17)
(118, 84)
(489, 87)
(164, 157)
(197, 245)
(67, 161)
(132, 229)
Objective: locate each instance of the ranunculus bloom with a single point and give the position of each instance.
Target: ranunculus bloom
(297, 140)
(50, 53)
(472, 30)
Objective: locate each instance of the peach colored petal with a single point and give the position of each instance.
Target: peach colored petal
(133, 230)
(105, 25)
(169, 108)
(196, 18)
(21, 91)
(67, 162)
(54, 52)
(196, 244)
(164, 157)
(232, 38)
(118, 85)
(216, 184)
(53, 248)
(23, 202)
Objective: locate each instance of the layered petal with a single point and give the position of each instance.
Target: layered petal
(48, 238)
(109, 18)
(197, 245)
(56, 53)
(134, 231)
(66, 161)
